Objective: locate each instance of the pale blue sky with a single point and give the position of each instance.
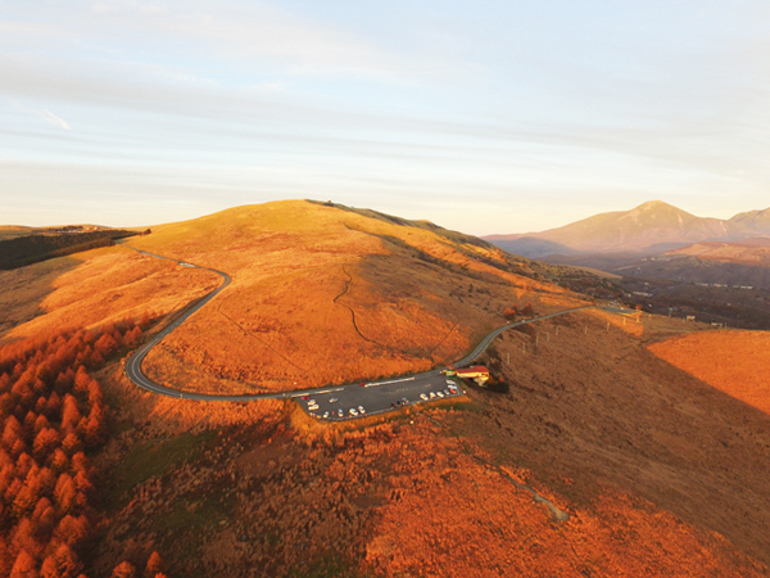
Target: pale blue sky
(487, 117)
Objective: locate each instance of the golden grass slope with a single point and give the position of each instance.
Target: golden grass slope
(735, 362)
(592, 412)
(325, 294)
(630, 447)
(92, 288)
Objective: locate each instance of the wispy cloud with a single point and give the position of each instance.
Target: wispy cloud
(43, 113)
(48, 116)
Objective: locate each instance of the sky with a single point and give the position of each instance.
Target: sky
(484, 117)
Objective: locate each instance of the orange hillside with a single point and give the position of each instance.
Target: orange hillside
(735, 362)
(327, 294)
(92, 288)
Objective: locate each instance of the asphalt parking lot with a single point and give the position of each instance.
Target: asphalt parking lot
(375, 397)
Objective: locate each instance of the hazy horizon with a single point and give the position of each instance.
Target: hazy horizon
(491, 118)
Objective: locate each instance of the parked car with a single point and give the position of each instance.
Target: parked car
(361, 409)
(424, 397)
(353, 411)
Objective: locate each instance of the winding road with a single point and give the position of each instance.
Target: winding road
(337, 401)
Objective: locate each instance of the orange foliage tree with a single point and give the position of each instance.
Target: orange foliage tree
(52, 413)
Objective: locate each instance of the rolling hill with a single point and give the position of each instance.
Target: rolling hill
(320, 294)
(325, 294)
(649, 467)
(736, 264)
(756, 221)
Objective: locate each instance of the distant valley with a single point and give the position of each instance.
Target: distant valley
(668, 260)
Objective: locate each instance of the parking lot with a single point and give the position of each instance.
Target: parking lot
(375, 397)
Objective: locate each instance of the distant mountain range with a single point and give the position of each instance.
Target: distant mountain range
(649, 229)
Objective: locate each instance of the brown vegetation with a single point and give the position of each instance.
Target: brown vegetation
(592, 412)
(54, 417)
(659, 473)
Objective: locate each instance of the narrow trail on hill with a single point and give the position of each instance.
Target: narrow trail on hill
(429, 355)
(353, 314)
(262, 341)
(435, 349)
(134, 371)
(557, 514)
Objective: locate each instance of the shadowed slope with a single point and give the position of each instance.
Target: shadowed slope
(735, 362)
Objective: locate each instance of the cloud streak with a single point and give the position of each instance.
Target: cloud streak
(50, 117)
(43, 114)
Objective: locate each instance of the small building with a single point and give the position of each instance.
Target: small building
(478, 373)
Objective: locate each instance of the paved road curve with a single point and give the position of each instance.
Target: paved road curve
(337, 401)
(482, 347)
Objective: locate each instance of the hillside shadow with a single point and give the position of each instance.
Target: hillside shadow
(26, 288)
(533, 248)
(593, 413)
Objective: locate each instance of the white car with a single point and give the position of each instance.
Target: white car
(438, 393)
(361, 409)
(450, 382)
(432, 395)
(312, 407)
(353, 412)
(333, 399)
(424, 397)
(326, 415)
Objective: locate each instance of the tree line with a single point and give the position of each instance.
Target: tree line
(54, 418)
(29, 249)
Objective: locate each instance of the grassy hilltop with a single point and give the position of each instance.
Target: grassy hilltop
(621, 448)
